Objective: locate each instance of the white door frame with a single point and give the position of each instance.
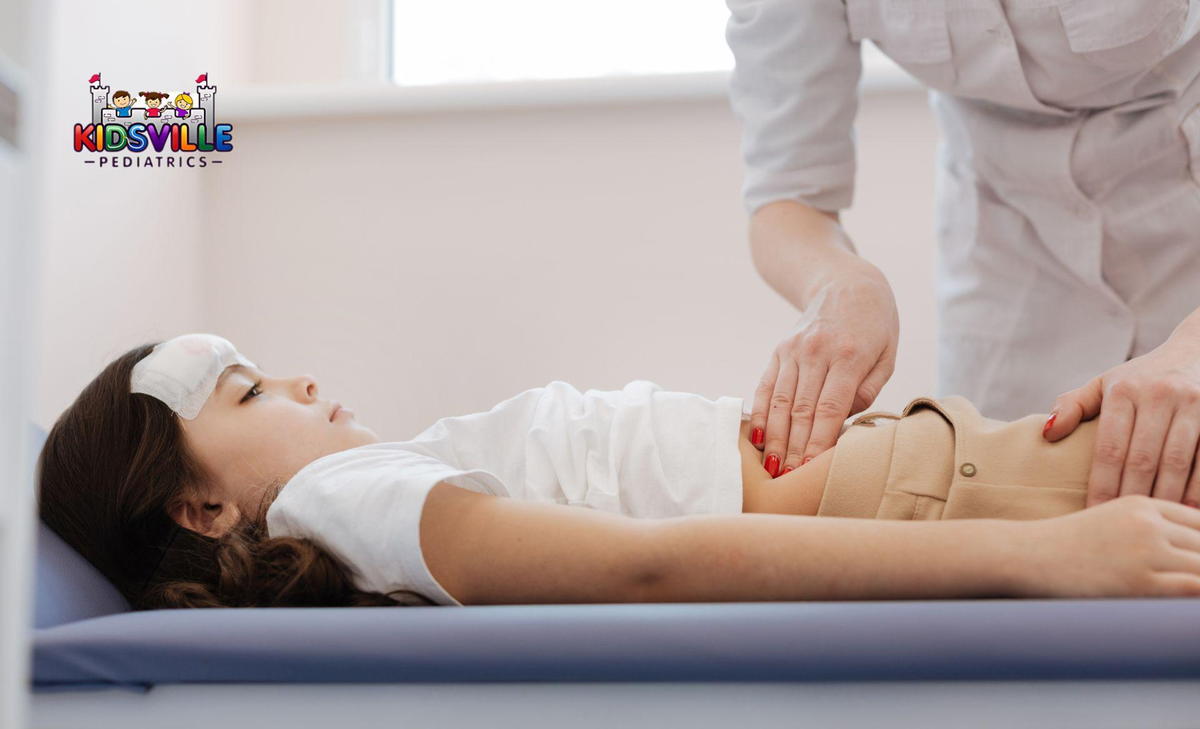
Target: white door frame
(20, 177)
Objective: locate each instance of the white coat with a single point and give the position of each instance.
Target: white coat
(1068, 172)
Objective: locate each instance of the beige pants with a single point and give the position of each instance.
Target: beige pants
(941, 459)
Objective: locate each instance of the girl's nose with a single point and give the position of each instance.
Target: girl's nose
(309, 383)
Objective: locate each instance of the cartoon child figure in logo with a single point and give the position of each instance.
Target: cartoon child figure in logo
(123, 103)
(154, 100)
(183, 103)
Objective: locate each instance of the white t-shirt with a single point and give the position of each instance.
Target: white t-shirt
(640, 451)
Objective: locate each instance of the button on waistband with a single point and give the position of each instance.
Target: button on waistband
(967, 469)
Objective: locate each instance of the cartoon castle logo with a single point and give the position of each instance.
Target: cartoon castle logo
(188, 109)
(185, 122)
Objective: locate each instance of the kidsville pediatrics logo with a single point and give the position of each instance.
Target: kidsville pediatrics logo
(181, 125)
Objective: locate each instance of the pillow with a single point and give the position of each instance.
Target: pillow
(68, 587)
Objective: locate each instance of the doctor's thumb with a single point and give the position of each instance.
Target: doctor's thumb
(1070, 409)
(873, 383)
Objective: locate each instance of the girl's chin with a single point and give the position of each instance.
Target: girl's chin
(364, 435)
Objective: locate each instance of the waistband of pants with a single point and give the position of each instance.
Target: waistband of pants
(889, 466)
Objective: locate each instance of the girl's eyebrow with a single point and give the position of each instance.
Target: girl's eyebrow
(225, 375)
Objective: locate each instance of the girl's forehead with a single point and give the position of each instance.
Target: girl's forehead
(236, 369)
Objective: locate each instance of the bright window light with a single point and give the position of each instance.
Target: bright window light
(473, 41)
(456, 41)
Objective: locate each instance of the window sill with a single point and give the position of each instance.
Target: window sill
(266, 103)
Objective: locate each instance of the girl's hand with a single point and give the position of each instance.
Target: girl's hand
(1149, 429)
(833, 364)
(1134, 546)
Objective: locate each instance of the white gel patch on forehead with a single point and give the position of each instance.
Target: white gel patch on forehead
(183, 372)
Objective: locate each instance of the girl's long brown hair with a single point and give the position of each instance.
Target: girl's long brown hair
(115, 462)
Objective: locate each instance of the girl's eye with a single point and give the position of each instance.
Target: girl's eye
(253, 387)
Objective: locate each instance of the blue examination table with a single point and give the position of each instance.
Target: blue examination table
(936, 663)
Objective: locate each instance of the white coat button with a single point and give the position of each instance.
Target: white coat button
(967, 469)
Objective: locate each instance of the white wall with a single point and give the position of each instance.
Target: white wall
(423, 265)
(434, 264)
(121, 259)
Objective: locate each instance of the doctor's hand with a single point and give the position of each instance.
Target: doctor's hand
(833, 364)
(1146, 440)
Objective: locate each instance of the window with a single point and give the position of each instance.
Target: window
(472, 41)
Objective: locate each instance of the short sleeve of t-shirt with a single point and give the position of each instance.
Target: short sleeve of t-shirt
(364, 504)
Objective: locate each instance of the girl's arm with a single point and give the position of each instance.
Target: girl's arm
(493, 550)
(751, 557)
(487, 549)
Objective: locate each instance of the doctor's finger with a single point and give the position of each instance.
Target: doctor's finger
(1191, 495)
(1178, 452)
(809, 381)
(1072, 407)
(1151, 420)
(1112, 443)
(779, 415)
(762, 399)
(873, 383)
(833, 407)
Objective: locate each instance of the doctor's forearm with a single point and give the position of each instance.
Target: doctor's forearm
(795, 247)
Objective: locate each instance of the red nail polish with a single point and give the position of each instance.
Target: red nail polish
(756, 437)
(772, 465)
(806, 460)
(1049, 423)
(787, 468)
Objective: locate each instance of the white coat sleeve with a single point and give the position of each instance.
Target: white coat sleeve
(794, 88)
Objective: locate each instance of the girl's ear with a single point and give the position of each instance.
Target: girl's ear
(210, 518)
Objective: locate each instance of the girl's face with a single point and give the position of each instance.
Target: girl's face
(255, 429)
(153, 103)
(183, 104)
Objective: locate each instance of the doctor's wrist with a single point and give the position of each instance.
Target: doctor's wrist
(1187, 330)
(841, 270)
(798, 249)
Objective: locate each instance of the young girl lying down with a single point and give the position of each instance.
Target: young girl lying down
(192, 478)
